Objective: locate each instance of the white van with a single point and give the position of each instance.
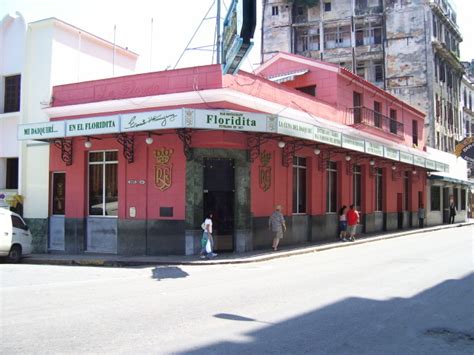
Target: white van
(15, 236)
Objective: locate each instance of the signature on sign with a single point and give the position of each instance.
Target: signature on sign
(162, 119)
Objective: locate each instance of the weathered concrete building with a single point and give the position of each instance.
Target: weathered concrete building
(407, 47)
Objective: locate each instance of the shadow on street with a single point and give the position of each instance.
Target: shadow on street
(168, 272)
(439, 320)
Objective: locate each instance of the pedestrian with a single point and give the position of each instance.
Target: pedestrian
(421, 216)
(343, 223)
(276, 223)
(207, 251)
(452, 211)
(352, 217)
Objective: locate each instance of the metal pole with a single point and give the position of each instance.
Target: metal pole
(151, 43)
(218, 29)
(113, 56)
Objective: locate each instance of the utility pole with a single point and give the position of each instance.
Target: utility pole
(218, 30)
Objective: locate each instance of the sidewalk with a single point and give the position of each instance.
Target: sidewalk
(231, 258)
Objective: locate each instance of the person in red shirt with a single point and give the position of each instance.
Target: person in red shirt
(352, 217)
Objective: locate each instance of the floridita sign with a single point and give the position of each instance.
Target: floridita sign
(221, 120)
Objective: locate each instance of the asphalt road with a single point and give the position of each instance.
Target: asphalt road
(409, 295)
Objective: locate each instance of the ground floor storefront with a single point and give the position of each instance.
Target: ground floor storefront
(146, 191)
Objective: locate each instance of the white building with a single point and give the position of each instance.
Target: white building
(34, 58)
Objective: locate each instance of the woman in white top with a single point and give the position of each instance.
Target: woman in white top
(207, 235)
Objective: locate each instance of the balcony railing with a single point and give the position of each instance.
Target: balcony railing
(365, 116)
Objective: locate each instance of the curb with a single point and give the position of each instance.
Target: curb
(237, 260)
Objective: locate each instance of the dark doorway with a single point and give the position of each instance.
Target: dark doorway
(445, 204)
(219, 188)
(400, 210)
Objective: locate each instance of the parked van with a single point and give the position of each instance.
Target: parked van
(15, 236)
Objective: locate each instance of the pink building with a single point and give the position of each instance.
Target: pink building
(141, 159)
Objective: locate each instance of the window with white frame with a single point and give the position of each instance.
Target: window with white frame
(378, 189)
(337, 37)
(357, 187)
(299, 185)
(103, 184)
(331, 187)
(12, 93)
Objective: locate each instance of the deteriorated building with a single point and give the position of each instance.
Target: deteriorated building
(407, 47)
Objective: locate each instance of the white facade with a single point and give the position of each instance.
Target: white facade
(47, 53)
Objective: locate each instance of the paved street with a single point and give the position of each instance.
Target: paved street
(409, 295)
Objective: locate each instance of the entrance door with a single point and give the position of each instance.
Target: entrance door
(400, 210)
(58, 208)
(445, 204)
(219, 188)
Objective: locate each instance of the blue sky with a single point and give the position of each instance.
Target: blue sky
(174, 22)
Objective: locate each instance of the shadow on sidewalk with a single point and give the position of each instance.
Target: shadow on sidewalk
(438, 320)
(168, 272)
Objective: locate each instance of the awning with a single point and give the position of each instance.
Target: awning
(450, 179)
(281, 78)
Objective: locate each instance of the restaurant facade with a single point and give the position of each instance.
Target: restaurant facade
(136, 162)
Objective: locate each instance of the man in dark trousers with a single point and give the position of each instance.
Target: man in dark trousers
(452, 211)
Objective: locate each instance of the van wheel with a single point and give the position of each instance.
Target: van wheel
(15, 254)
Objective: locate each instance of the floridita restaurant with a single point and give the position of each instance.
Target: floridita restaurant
(137, 161)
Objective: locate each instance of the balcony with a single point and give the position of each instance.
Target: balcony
(367, 117)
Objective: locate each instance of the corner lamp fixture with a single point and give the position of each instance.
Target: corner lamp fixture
(372, 162)
(281, 144)
(348, 157)
(394, 167)
(87, 143)
(317, 151)
(414, 171)
(149, 139)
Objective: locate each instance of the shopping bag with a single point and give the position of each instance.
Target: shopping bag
(208, 246)
(203, 226)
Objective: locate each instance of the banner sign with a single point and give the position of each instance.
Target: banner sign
(149, 121)
(430, 164)
(353, 143)
(327, 136)
(43, 130)
(465, 149)
(406, 158)
(374, 148)
(295, 128)
(419, 161)
(92, 125)
(391, 153)
(228, 120)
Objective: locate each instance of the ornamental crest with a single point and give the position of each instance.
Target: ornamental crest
(265, 171)
(163, 168)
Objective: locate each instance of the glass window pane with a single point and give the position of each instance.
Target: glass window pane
(302, 191)
(111, 156)
(96, 190)
(59, 194)
(96, 156)
(333, 191)
(111, 190)
(295, 190)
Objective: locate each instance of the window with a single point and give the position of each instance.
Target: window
(357, 187)
(456, 198)
(58, 203)
(307, 40)
(331, 187)
(377, 114)
(435, 198)
(435, 29)
(12, 93)
(337, 37)
(415, 132)
(103, 186)
(310, 90)
(12, 174)
(463, 199)
(299, 185)
(378, 189)
(327, 6)
(406, 191)
(17, 222)
(357, 104)
(393, 121)
(274, 10)
(368, 34)
(378, 68)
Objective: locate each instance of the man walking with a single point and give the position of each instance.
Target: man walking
(352, 218)
(276, 224)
